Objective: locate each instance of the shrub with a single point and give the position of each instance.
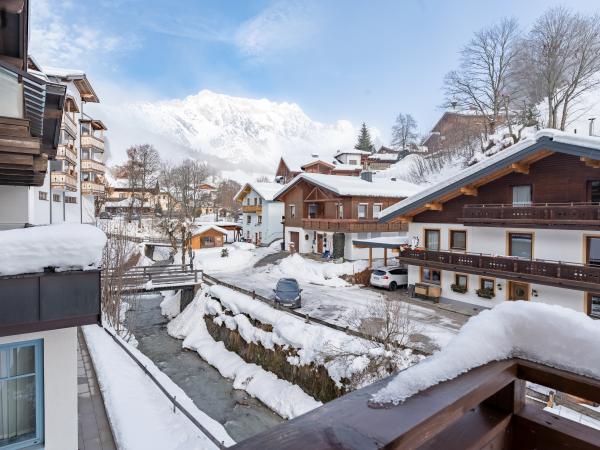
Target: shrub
(486, 293)
(224, 253)
(458, 288)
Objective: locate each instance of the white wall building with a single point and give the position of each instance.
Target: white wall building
(261, 215)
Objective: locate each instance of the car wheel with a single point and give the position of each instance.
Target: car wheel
(393, 286)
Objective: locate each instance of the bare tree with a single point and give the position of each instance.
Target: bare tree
(168, 186)
(141, 170)
(561, 61)
(189, 176)
(226, 190)
(404, 133)
(263, 179)
(483, 81)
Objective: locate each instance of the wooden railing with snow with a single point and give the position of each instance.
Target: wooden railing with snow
(485, 408)
(552, 273)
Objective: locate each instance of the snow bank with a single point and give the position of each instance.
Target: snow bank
(283, 397)
(548, 334)
(171, 304)
(63, 247)
(316, 272)
(242, 256)
(141, 416)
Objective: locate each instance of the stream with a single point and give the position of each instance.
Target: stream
(240, 414)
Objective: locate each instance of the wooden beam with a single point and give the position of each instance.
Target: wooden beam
(520, 167)
(434, 206)
(370, 257)
(594, 163)
(469, 190)
(385, 256)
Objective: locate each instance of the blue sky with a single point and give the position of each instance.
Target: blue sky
(355, 60)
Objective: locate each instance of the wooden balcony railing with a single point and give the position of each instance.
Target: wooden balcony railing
(64, 180)
(552, 273)
(90, 140)
(485, 408)
(93, 165)
(69, 124)
(67, 151)
(351, 225)
(91, 188)
(555, 215)
(252, 208)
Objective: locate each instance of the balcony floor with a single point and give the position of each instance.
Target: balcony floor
(94, 429)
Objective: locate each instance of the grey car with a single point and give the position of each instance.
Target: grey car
(288, 293)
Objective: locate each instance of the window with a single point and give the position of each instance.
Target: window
(293, 211)
(432, 240)
(593, 251)
(312, 211)
(259, 219)
(56, 198)
(461, 280)
(340, 210)
(521, 195)
(520, 245)
(595, 191)
(43, 195)
(486, 283)
(458, 240)
(85, 128)
(255, 201)
(429, 275)
(21, 386)
(248, 219)
(377, 207)
(70, 199)
(362, 210)
(594, 305)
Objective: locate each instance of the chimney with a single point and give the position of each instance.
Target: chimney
(592, 119)
(367, 176)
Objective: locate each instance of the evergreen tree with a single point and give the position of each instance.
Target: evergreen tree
(364, 140)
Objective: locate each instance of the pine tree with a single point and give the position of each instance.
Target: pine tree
(364, 140)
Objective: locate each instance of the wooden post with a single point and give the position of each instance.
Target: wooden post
(385, 256)
(370, 257)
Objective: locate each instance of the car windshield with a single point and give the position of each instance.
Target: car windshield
(287, 285)
(378, 272)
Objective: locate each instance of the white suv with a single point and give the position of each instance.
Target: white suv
(389, 277)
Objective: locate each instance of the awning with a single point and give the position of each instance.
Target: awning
(382, 242)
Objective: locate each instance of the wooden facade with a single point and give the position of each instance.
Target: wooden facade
(310, 206)
(208, 239)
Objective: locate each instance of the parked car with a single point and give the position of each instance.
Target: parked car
(105, 215)
(389, 277)
(288, 293)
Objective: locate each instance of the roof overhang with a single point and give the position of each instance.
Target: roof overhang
(502, 161)
(14, 33)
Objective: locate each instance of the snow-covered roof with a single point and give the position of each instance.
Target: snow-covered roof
(391, 157)
(519, 329)
(351, 152)
(204, 228)
(544, 139)
(62, 72)
(355, 186)
(220, 223)
(61, 246)
(265, 190)
(344, 167)
(316, 161)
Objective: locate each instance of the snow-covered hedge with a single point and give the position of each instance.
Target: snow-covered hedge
(61, 247)
(547, 334)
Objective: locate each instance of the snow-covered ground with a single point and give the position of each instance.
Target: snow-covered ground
(328, 297)
(141, 416)
(242, 255)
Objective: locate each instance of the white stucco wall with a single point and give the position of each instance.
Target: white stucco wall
(557, 245)
(89, 209)
(272, 228)
(60, 385)
(14, 206)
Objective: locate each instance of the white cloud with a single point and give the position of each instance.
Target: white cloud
(62, 36)
(281, 26)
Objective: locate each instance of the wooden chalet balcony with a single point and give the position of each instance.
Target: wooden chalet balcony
(64, 180)
(252, 208)
(351, 225)
(485, 408)
(92, 188)
(22, 161)
(67, 151)
(90, 140)
(551, 215)
(69, 124)
(567, 275)
(92, 165)
(48, 301)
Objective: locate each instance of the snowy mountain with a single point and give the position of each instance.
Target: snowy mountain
(232, 133)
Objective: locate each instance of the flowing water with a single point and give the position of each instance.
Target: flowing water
(241, 415)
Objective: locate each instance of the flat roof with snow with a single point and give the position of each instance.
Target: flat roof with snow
(265, 190)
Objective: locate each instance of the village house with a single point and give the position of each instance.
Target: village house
(261, 215)
(520, 225)
(454, 129)
(122, 198)
(208, 236)
(40, 311)
(324, 213)
(344, 163)
(352, 157)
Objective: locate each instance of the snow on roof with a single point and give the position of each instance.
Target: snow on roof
(63, 73)
(548, 334)
(266, 190)
(351, 152)
(343, 167)
(593, 143)
(61, 246)
(221, 223)
(204, 228)
(393, 157)
(347, 186)
(316, 161)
